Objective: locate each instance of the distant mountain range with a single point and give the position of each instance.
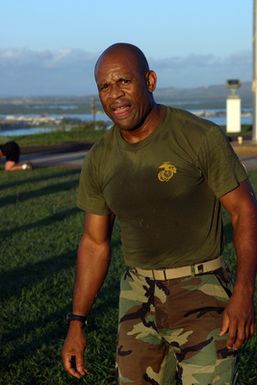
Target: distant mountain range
(203, 97)
(209, 97)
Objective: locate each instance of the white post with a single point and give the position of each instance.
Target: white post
(233, 113)
(233, 123)
(254, 83)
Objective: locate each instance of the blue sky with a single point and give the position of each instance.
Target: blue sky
(50, 46)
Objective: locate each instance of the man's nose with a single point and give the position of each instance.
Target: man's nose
(116, 91)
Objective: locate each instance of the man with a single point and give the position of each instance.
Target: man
(164, 174)
(11, 152)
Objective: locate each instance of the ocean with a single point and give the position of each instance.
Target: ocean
(218, 116)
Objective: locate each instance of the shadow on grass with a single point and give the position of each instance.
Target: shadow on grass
(21, 350)
(50, 189)
(42, 222)
(14, 281)
(54, 328)
(40, 178)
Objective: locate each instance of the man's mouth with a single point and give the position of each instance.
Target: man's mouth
(121, 111)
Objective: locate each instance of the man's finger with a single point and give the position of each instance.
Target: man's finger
(69, 362)
(225, 325)
(232, 335)
(80, 365)
(247, 331)
(69, 366)
(240, 336)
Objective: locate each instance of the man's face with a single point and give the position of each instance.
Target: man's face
(124, 90)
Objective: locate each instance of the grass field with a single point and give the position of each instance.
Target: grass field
(40, 229)
(84, 133)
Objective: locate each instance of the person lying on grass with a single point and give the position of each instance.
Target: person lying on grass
(11, 152)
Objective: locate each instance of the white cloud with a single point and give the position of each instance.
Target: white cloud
(200, 70)
(70, 71)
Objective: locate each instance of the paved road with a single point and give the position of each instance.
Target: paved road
(74, 159)
(250, 162)
(71, 159)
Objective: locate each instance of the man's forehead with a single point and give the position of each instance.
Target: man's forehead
(124, 57)
(113, 75)
(116, 66)
(117, 57)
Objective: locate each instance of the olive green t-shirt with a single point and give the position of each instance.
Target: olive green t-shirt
(164, 189)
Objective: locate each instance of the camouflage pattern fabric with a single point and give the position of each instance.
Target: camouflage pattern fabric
(169, 331)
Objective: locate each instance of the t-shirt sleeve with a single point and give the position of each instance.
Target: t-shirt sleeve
(219, 163)
(90, 195)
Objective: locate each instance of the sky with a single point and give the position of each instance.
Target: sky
(49, 47)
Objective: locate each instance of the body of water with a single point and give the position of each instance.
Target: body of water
(25, 131)
(216, 116)
(83, 117)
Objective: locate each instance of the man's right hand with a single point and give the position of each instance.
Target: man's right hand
(73, 350)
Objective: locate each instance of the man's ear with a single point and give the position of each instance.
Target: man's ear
(151, 80)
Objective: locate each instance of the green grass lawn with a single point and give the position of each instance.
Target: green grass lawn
(40, 229)
(84, 133)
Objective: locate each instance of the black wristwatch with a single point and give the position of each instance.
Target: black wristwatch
(75, 317)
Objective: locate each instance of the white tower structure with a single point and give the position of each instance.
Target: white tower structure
(254, 83)
(233, 107)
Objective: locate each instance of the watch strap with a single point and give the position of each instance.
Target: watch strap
(76, 317)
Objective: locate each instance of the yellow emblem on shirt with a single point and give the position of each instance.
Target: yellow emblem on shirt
(166, 171)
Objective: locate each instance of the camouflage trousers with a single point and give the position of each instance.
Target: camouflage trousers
(169, 331)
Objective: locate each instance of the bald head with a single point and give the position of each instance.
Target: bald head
(130, 51)
(125, 85)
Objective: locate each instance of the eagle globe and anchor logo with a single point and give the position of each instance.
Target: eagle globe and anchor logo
(166, 171)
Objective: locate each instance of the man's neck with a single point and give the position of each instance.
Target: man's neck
(146, 129)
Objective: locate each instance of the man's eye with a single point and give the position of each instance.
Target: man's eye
(103, 87)
(124, 81)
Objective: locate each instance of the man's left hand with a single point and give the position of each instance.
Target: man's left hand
(238, 320)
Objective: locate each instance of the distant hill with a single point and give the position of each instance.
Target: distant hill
(190, 98)
(203, 97)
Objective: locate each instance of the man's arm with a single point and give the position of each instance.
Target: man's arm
(10, 165)
(93, 259)
(238, 317)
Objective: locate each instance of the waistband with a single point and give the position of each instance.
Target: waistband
(179, 272)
